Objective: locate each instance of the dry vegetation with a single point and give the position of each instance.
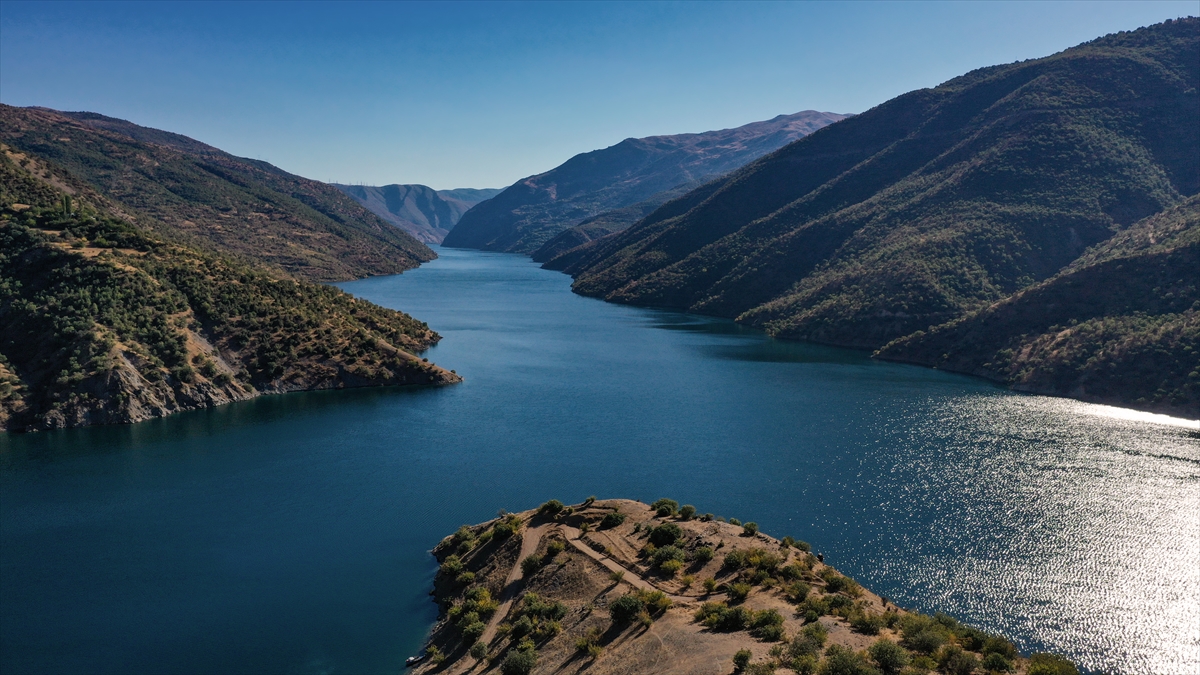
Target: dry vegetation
(618, 586)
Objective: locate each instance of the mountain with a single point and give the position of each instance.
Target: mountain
(108, 317)
(421, 211)
(935, 204)
(530, 212)
(186, 191)
(1120, 323)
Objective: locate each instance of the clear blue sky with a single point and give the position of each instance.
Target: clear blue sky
(480, 95)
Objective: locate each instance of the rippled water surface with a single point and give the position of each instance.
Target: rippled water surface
(288, 534)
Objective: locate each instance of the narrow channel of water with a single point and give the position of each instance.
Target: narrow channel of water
(289, 533)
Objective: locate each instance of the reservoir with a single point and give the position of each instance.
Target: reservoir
(290, 534)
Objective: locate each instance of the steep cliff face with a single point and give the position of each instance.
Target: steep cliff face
(102, 322)
(535, 209)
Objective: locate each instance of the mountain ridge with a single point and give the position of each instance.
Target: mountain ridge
(533, 210)
(423, 212)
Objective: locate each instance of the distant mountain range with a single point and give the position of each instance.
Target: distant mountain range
(646, 171)
(1012, 223)
(421, 211)
(143, 273)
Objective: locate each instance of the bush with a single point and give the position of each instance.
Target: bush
(665, 554)
(741, 659)
(797, 591)
(671, 567)
(889, 656)
(625, 609)
(478, 651)
(531, 564)
(555, 547)
(867, 623)
(612, 519)
(809, 642)
(465, 578)
(841, 660)
(922, 633)
(995, 662)
(734, 521)
(507, 526)
(750, 529)
(1051, 664)
(762, 668)
(472, 631)
(703, 555)
(710, 585)
(665, 534)
(452, 566)
(767, 625)
(998, 645)
(737, 592)
(687, 512)
(519, 661)
(550, 508)
(952, 660)
(665, 507)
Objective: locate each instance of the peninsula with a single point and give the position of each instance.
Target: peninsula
(619, 586)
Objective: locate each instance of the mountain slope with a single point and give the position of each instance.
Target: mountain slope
(104, 322)
(932, 204)
(187, 191)
(1121, 323)
(421, 211)
(537, 208)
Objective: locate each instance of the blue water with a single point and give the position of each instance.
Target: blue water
(288, 534)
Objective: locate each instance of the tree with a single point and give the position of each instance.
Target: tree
(626, 608)
(889, 656)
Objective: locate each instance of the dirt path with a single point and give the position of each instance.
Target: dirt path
(630, 577)
(529, 544)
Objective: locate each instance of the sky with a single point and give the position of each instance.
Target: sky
(483, 94)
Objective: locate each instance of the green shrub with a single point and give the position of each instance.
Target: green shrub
(952, 660)
(734, 521)
(867, 622)
(625, 609)
(889, 656)
(519, 662)
(767, 625)
(750, 529)
(665, 554)
(810, 642)
(531, 564)
(710, 585)
(665, 507)
(687, 512)
(472, 631)
(703, 555)
(666, 534)
(550, 508)
(741, 659)
(452, 566)
(738, 591)
(612, 519)
(478, 651)
(761, 668)
(922, 633)
(841, 660)
(465, 578)
(797, 591)
(998, 645)
(996, 663)
(671, 567)
(555, 547)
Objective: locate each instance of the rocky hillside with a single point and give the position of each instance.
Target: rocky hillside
(618, 586)
(535, 209)
(933, 205)
(102, 321)
(183, 190)
(421, 211)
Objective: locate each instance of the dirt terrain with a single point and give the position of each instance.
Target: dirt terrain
(585, 589)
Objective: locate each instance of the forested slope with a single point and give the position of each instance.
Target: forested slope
(186, 191)
(104, 322)
(932, 205)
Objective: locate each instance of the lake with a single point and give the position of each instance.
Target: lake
(289, 534)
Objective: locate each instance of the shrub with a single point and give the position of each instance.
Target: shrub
(952, 660)
(762, 668)
(867, 623)
(550, 508)
(465, 578)
(737, 592)
(998, 645)
(735, 560)
(687, 580)
(995, 662)
(703, 555)
(889, 656)
(665, 554)
(617, 576)
(626, 608)
(612, 519)
(520, 661)
(589, 501)
(841, 660)
(671, 567)
(452, 566)
(665, 534)
(750, 529)
(922, 633)
(810, 641)
(531, 564)
(687, 512)
(507, 526)
(734, 521)
(710, 585)
(741, 659)
(472, 631)
(555, 547)
(665, 507)
(767, 625)
(797, 591)
(1050, 664)
(787, 542)
(478, 651)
